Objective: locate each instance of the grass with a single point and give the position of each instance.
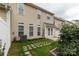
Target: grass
(43, 51)
(16, 48)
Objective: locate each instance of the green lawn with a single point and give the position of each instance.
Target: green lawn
(43, 51)
(16, 48)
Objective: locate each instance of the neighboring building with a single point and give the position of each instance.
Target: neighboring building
(69, 22)
(58, 23)
(5, 37)
(31, 20)
(76, 22)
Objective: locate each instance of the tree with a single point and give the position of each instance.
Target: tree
(69, 40)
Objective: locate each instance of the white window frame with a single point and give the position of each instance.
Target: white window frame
(21, 5)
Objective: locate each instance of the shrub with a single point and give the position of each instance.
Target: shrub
(69, 40)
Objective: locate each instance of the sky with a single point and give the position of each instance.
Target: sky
(67, 11)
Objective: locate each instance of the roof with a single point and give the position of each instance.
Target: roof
(76, 20)
(58, 18)
(37, 7)
(69, 22)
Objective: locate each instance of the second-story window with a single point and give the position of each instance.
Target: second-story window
(39, 16)
(48, 17)
(21, 9)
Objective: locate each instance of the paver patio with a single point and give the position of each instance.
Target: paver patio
(28, 53)
(25, 48)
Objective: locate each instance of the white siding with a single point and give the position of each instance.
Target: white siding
(5, 33)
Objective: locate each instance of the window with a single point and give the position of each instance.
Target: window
(38, 31)
(20, 30)
(48, 17)
(21, 9)
(39, 16)
(51, 31)
(48, 31)
(31, 31)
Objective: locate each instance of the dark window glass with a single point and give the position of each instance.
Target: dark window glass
(51, 31)
(31, 31)
(48, 17)
(20, 33)
(21, 30)
(48, 31)
(39, 16)
(38, 31)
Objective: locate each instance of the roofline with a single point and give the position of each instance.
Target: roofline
(75, 20)
(58, 18)
(69, 22)
(40, 8)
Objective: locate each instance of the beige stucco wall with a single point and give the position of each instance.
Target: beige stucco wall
(58, 23)
(14, 20)
(57, 27)
(30, 17)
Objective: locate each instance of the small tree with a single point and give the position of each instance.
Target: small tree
(69, 40)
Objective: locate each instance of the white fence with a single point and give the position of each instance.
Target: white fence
(5, 35)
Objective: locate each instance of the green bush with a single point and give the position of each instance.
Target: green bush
(69, 41)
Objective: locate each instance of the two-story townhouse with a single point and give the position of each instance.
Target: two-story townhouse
(31, 20)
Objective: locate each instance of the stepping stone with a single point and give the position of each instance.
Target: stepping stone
(37, 45)
(33, 46)
(27, 53)
(41, 45)
(49, 43)
(29, 47)
(25, 48)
